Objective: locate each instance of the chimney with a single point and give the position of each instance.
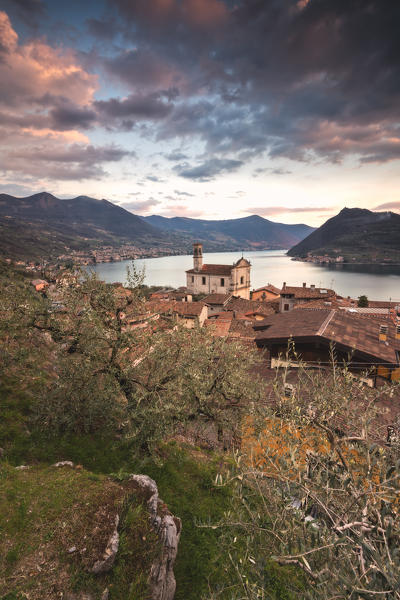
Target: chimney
(197, 256)
(304, 285)
(383, 331)
(284, 285)
(312, 286)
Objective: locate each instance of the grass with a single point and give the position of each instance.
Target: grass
(45, 511)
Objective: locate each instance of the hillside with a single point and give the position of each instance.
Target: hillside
(45, 225)
(251, 232)
(356, 234)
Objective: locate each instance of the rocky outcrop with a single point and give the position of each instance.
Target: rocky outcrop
(105, 564)
(168, 527)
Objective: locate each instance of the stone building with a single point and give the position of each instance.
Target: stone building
(218, 279)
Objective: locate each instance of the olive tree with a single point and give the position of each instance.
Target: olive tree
(316, 491)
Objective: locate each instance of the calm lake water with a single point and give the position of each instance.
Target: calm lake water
(270, 266)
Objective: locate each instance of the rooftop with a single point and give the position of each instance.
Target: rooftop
(213, 270)
(302, 292)
(352, 331)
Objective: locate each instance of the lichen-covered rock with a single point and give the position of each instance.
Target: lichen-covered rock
(105, 564)
(168, 527)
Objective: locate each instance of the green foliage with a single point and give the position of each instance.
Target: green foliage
(362, 301)
(314, 492)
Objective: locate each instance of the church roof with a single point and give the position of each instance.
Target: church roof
(213, 270)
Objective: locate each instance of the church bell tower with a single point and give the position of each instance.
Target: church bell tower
(197, 256)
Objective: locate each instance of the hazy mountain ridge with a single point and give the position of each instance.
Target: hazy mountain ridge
(44, 225)
(247, 232)
(356, 234)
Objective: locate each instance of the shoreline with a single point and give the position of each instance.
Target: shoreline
(321, 264)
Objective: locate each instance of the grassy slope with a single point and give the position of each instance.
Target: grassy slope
(45, 511)
(184, 475)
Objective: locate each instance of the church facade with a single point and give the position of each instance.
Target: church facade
(218, 279)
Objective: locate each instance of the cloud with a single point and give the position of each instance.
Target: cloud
(175, 156)
(179, 193)
(181, 210)
(209, 169)
(141, 206)
(34, 69)
(52, 161)
(388, 206)
(270, 211)
(155, 179)
(135, 106)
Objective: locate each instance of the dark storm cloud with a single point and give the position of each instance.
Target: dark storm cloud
(71, 116)
(209, 169)
(286, 68)
(135, 107)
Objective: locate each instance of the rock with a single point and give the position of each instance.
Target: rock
(106, 594)
(22, 467)
(72, 550)
(106, 563)
(168, 527)
(64, 463)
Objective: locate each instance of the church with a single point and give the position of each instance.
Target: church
(218, 279)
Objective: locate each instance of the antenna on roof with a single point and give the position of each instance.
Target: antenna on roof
(242, 252)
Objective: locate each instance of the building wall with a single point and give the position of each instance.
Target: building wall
(241, 289)
(212, 284)
(264, 295)
(286, 301)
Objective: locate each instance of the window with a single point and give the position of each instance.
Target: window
(203, 281)
(192, 278)
(222, 282)
(242, 280)
(286, 307)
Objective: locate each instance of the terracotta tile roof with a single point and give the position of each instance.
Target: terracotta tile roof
(307, 292)
(222, 316)
(346, 329)
(213, 270)
(246, 306)
(218, 299)
(187, 309)
(269, 288)
(218, 327)
(240, 329)
(39, 282)
(383, 304)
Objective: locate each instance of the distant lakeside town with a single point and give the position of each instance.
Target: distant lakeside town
(364, 331)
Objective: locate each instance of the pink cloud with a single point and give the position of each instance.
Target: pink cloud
(35, 69)
(180, 210)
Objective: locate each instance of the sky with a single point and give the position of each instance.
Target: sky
(216, 109)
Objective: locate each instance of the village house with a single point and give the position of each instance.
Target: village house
(39, 284)
(291, 296)
(363, 343)
(188, 314)
(267, 292)
(216, 303)
(218, 279)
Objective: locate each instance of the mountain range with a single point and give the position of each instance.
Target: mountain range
(251, 232)
(43, 225)
(356, 234)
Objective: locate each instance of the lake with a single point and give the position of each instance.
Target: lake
(270, 266)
